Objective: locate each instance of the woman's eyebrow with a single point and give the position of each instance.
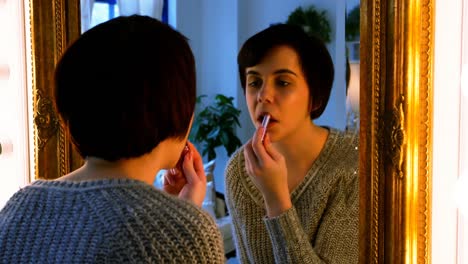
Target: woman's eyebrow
(252, 72)
(285, 71)
(280, 71)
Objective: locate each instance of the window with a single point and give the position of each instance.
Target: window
(94, 12)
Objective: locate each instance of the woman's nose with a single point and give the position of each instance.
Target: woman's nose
(265, 94)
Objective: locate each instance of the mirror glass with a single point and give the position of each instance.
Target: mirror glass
(352, 38)
(217, 29)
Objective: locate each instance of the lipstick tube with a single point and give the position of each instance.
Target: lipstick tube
(266, 120)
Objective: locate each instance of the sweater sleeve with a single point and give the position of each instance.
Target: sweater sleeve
(337, 236)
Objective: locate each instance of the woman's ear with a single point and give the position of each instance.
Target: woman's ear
(313, 107)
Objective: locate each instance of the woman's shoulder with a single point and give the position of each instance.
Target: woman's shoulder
(343, 145)
(339, 159)
(162, 228)
(344, 139)
(162, 219)
(235, 164)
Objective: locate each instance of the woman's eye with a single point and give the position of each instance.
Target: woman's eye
(254, 83)
(283, 83)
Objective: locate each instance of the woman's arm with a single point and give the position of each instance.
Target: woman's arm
(336, 239)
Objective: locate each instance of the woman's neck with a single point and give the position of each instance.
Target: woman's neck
(143, 168)
(301, 149)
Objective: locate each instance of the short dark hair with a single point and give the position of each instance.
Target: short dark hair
(314, 58)
(124, 86)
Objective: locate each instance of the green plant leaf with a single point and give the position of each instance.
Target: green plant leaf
(352, 27)
(215, 124)
(314, 22)
(213, 133)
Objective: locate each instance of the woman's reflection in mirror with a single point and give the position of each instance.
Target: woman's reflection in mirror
(293, 196)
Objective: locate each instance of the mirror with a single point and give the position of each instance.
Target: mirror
(395, 115)
(216, 40)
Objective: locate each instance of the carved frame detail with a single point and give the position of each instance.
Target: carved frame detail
(54, 24)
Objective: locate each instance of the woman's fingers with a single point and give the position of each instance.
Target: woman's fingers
(270, 150)
(173, 183)
(257, 144)
(195, 187)
(197, 162)
(250, 158)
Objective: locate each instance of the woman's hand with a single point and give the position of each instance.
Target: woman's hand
(267, 169)
(190, 183)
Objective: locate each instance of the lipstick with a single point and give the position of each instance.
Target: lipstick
(266, 120)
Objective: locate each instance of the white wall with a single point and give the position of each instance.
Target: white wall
(14, 160)
(447, 69)
(211, 27)
(217, 29)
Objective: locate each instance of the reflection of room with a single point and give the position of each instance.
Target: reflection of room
(94, 12)
(352, 98)
(216, 29)
(352, 35)
(216, 39)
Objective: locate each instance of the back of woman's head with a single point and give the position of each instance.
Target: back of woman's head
(315, 60)
(124, 86)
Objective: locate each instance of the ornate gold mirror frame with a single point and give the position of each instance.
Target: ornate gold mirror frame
(54, 24)
(396, 116)
(396, 130)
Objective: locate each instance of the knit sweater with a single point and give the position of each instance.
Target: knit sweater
(105, 221)
(322, 225)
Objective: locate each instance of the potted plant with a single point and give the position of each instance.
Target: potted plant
(313, 21)
(215, 126)
(352, 26)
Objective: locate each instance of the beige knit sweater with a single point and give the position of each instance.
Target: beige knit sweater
(322, 225)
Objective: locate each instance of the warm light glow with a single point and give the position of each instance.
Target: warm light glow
(464, 80)
(412, 143)
(449, 243)
(461, 186)
(460, 194)
(352, 99)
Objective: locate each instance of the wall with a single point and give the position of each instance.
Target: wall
(14, 160)
(446, 126)
(350, 4)
(217, 29)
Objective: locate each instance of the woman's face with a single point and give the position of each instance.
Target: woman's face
(277, 86)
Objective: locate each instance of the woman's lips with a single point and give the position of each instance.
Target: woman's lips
(261, 118)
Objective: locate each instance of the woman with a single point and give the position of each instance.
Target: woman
(293, 195)
(125, 90)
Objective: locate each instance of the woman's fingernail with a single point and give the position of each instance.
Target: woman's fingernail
(168, 180)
